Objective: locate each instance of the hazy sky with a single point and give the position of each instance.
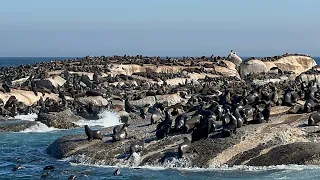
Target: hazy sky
(163, 27)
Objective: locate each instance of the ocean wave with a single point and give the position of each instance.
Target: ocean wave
(28, 117)
(39, 127)
(107, 118)
(83, 160)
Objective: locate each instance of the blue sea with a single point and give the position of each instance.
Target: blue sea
(24, 147)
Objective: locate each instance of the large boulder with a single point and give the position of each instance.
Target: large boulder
(295, 153)
(27, 97)
(51, 82)
(284, 135)
(151, 100)
(254, 66)
(16, 125)
(294, 63)
(172, 99)
(62, 120)
(95, 100)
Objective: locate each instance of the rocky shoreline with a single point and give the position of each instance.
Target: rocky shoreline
(253, 113)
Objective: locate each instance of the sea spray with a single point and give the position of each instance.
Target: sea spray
(28, 117)
(107, 118)
(39, 127)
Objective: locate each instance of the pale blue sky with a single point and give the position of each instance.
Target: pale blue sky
(163, 27)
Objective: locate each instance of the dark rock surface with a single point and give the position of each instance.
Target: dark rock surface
(63, 120)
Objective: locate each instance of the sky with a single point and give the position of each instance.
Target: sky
(159, 28)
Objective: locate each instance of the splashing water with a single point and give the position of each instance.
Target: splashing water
(39, 127)
(107, 118)
(28, 117)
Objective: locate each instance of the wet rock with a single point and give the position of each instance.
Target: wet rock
(302, 153)
(15, 125)
(62, 120)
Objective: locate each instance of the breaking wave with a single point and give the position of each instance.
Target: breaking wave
(107, 118)
(39, 127)
(28, 117)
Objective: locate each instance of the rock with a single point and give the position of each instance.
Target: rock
(51, 82)
(151, 100)
(308, 154)
(95, 100)
(252, 67)
(294, 63)
(27, 97)
(233, 57)
(249, 146)
(172, 99)
(62, 120)
(15, 125)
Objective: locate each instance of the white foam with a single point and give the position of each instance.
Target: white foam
(107, 118)
(39, 127)
(28, 117)
(83, 160)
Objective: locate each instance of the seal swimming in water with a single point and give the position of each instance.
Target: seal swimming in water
(88, 132)
(116, 172)
(184, 147)
(17, 167)
(72, 177)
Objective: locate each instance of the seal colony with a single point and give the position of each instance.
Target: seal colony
(198, 110)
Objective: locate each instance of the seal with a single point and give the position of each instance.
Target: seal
(238, 116)
(266, 112)
(88, 132)
(163, 131)
(155, 117)
(116, 172)
(128, 107)
(17, 167)
(179, 122)
(287, 98)
(97, 135)
(314, 119)
(93, 93)
(190, 123)
(116, 129)
(6, 88)
(136, 147)
(72, 177)
(121, 135)
(10, 102)
(184, 147)
(308, 106)
(257, 117)
(229, 127)
(50, 167)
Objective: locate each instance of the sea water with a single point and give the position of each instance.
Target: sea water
(28, 148)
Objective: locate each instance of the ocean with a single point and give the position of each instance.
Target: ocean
(28, 148)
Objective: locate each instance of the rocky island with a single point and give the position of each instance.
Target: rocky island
(187, 112)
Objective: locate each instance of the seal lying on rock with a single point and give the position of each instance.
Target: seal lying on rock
(314, 118)
(136, 147)
(120, 135)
